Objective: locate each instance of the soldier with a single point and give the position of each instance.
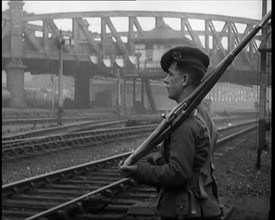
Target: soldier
(184, 170)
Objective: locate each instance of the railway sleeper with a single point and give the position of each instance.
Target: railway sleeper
(45, 197)
(98, 181)
(53, 146)
(99, 174)
(87, 179)
(17, 213)
(133, 195)
(73, 187)
(26, 204)
(99, 217)
(65, 193)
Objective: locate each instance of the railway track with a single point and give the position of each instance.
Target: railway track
(53, 120)
(93, 190)
(49, 120)
(92, 124)
(37, 146)
(21, 148)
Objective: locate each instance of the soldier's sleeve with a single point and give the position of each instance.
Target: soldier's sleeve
(178, 170)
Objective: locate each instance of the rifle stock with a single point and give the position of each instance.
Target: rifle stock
(178, 114)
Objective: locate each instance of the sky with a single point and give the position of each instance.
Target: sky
(237, 8)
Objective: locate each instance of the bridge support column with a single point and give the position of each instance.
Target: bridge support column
(15, 83)
(82, 90)
(15, 69)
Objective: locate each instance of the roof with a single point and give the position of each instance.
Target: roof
(162, 33)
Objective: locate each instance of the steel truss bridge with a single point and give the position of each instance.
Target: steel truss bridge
(113, 53)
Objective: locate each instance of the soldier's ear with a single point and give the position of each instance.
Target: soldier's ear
(186, 80)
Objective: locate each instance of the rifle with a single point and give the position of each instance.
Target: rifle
(180, 112)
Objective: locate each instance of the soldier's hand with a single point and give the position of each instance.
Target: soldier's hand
(125, 170)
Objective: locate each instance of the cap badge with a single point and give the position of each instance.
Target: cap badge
(177, 56)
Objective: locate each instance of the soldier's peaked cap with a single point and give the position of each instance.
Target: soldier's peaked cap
(188, 55)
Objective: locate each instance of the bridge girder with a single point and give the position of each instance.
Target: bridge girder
(111, 44)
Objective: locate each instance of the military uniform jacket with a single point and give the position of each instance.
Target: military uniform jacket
(185, 152)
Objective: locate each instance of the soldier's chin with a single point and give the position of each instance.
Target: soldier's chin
(171, 97)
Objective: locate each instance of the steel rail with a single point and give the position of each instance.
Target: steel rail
(82, 133)
(100, 190)
(51, 119)
(62, 128)
(74, 140)
(26, 186)
(38, 146)
(72, 127)
(25, 121)
(75, 126)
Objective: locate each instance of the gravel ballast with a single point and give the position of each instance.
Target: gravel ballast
(235, 171)
(20, 169)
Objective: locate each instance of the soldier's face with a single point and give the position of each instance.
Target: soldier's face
(174, 83)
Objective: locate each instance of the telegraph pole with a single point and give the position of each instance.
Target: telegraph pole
(53, 88)
(124, 112)
(262, 101)
(118, 73)
(60, 89)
